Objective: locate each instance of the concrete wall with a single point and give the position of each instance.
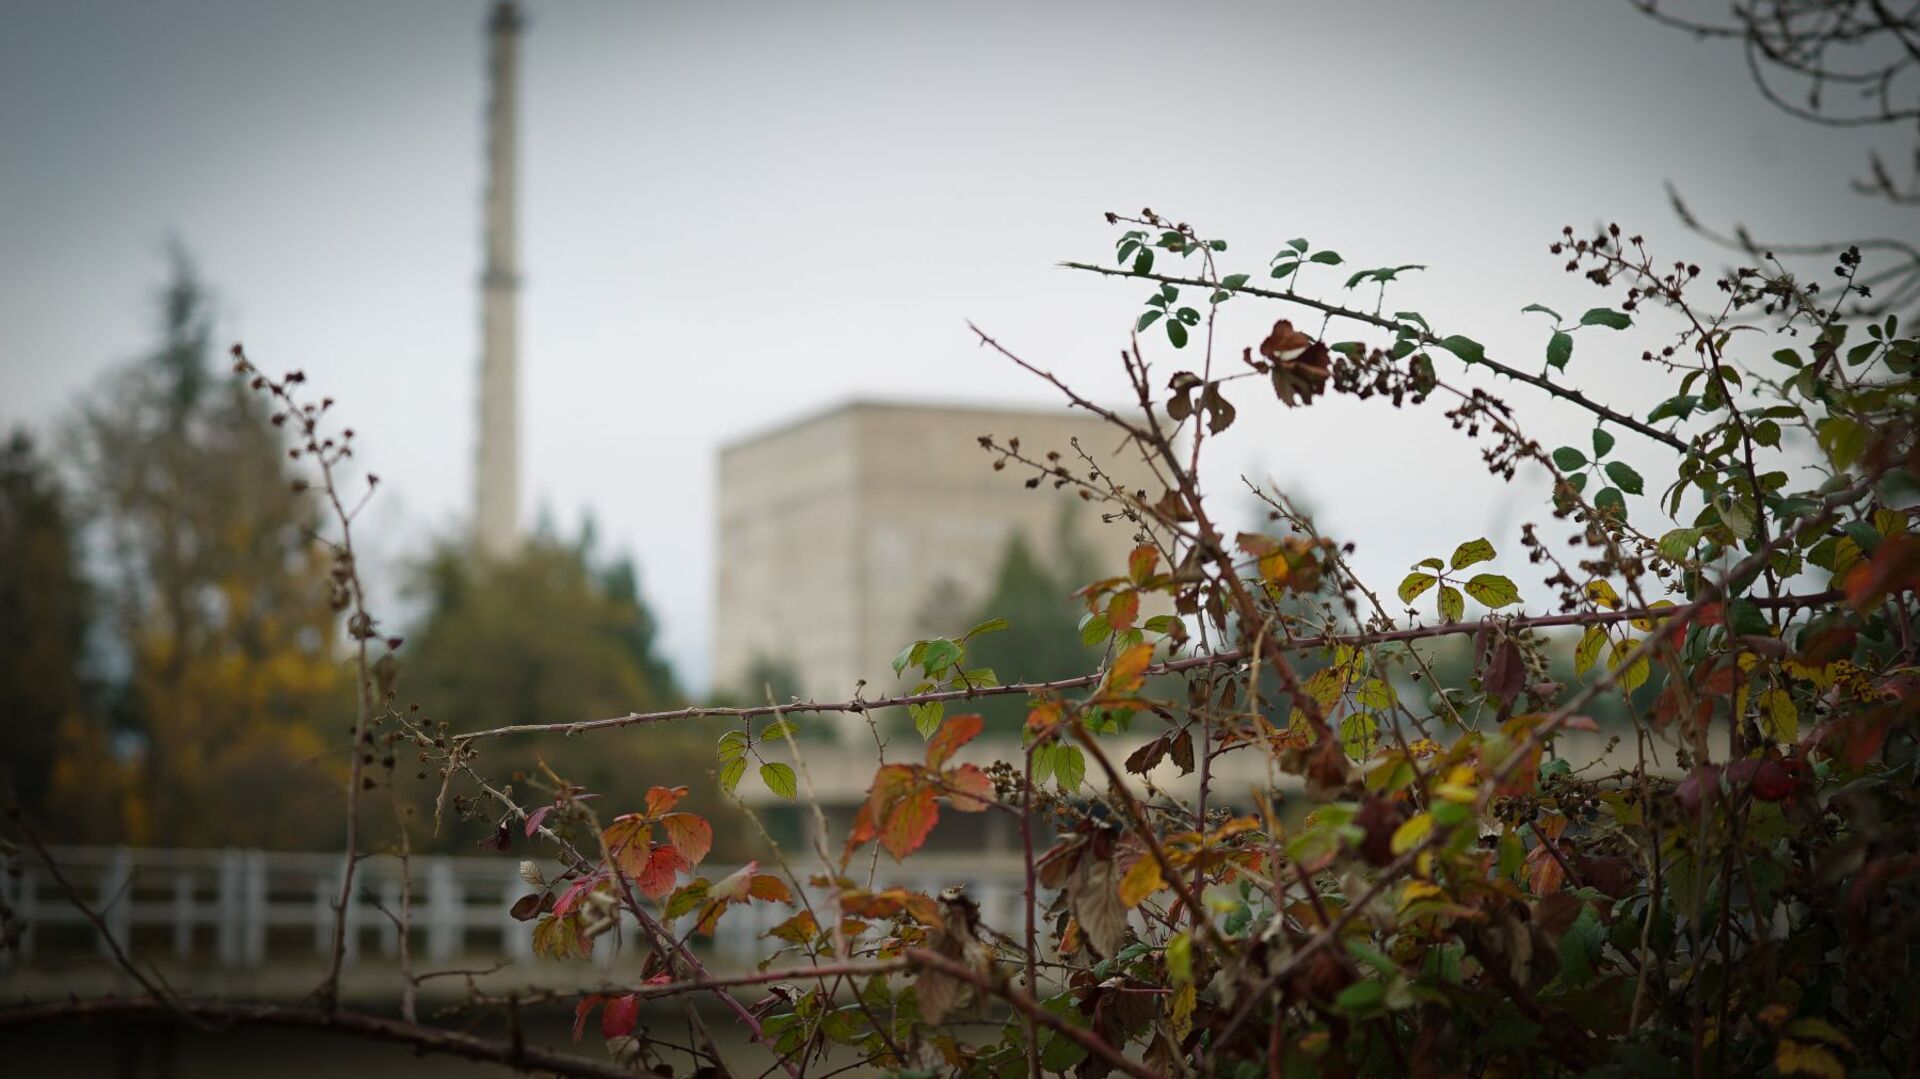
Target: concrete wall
(835, 531)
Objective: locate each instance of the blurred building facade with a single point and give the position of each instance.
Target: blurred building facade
(837, 532)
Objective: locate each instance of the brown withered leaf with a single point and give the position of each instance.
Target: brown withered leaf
(1093, 894)
(1301, 365)
(1504, 674)
(1182, 750)
(1142, 760)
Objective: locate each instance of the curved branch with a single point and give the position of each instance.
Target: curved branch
(1423, 336)
(1211, 659)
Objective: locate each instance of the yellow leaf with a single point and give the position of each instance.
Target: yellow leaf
(1645, 625)
(1587, 652)
(1140, 882)
(1778, 717)
(1409, 835)
(1602, 593)
(1634, 676)
(1799, 1058)
(1181, 1019)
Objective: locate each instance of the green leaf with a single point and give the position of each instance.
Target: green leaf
(778, 730)
(926, 717)
(1464, 347)
(1362, 997)
(1559, 350)
(1611, 502)
(1143, 262)
(1434, 562)
(1298, 244)
(1678, 544)
(1471, 553)
(1069, 767)
(780, 780)
(731, 773)
(1453, 606)
(1567, 458)
(991, 625)
(1624, 478)
(1415, 584)
(1233, 280)
(1327, 258)
(940, 654)
(1532, 307)
(1177, 333)
(1094, 629)
(1674, 408)
(1492, 590)
(1735, 515)
(1602, 442)
(1147, 318)
(1602, 316)
(1578, 945)
(733, 746)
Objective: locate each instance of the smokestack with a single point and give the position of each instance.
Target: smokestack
(496, 515)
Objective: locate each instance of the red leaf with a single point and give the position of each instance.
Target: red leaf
(572, 895)
(969, 790)
(582, 1010)
(534, 818)
(661, 799)
(957, 731)
(621, 1014)
(656, 880)
(1123, 609)
(907, 823)
(691, 835)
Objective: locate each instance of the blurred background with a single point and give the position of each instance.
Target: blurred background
(652, 319)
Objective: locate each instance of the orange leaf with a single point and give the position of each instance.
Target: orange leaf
(799, 929)
(661, 799)
(1122, 609)
(691, 835)
(1129, 670)
(769, 888)
(969, 789)
(957, 731)
(656, 879)
(1142, 562)
(627, 840)
(908, 822)
(1044, 717)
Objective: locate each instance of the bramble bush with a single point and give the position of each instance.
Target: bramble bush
(1734, 890)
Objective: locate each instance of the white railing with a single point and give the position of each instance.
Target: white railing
(243, 909)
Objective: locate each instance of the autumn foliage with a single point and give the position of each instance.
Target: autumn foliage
(1645, 807)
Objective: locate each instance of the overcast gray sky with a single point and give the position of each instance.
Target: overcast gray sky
(734, 213)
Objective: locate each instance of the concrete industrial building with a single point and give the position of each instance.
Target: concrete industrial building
(837, 530)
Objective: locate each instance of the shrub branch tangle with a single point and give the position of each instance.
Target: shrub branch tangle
(1736, 893)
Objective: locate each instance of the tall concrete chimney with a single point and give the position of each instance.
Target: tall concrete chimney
(496, 511)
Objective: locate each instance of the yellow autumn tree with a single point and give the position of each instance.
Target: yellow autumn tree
(230, 719)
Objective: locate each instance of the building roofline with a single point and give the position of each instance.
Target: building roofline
(873, 404)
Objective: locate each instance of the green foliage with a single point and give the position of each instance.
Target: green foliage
(45, 609)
